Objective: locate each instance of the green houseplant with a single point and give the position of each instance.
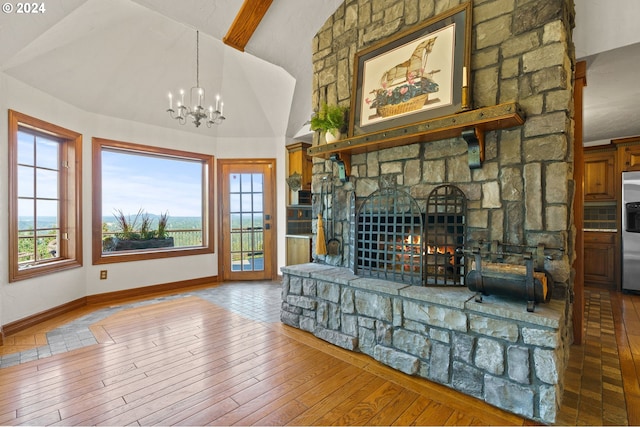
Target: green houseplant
(331, 119)
(131, 235)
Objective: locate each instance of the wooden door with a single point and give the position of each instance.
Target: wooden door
(247, 219)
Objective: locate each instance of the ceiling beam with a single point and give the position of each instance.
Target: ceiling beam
(247, 20)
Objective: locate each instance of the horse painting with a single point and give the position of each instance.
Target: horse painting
(412, 67)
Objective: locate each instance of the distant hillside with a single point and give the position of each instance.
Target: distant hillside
(175, 223)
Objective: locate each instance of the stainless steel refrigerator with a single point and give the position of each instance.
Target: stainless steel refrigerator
(631, 231)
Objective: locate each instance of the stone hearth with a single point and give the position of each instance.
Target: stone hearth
(494, 350)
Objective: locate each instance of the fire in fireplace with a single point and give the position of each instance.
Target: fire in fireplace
(396, 241)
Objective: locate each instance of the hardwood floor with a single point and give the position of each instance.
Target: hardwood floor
(597, 385)
(187, 360)
(627, 328)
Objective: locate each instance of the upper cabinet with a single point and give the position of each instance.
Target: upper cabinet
(300, 164)
(628, 153)
(599, 174)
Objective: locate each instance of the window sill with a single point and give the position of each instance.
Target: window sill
(44, 269)
(140, 255)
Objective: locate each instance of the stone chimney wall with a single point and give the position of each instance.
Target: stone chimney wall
(521, 51)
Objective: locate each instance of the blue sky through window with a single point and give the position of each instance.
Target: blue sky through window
(155, 184)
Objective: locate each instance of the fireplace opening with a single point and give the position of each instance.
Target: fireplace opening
(396, 241)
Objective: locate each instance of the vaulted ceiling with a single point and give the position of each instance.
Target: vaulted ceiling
(120, 58)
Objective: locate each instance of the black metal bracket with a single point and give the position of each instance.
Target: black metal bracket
(342, 167)
(475, 142)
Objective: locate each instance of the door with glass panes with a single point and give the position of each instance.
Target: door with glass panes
(246, 206)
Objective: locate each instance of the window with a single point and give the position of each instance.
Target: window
(150, 202)
(44, 197)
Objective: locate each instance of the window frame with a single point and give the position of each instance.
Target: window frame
(99, 257)
(70, 196)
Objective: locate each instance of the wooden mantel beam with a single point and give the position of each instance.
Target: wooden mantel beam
(247, 20)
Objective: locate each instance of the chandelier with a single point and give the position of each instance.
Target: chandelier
(195, 110)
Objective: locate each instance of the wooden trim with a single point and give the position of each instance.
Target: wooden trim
(105, 298)
(627, 140)
(207, 215)
(245, 23)
(578, 204)
(599, 148)
(109, 297)
(35, 319)
(270, 272)
(70, 190)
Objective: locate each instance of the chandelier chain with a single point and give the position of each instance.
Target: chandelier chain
(197, 58)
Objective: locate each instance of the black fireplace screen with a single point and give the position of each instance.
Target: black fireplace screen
(389, 237)
(445, 236)
(396, 241)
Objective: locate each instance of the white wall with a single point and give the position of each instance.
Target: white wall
(27, 297)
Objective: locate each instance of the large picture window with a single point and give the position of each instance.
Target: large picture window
(149, 202)
(44, 197)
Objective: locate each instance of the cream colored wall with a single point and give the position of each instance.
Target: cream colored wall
(25, 298)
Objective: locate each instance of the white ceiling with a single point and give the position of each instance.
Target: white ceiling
(607, 38)
(120, 58)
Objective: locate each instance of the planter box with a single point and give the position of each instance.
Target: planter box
(132, 245)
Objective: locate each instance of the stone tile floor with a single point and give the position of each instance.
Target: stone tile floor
(593, 388)
(256, 301)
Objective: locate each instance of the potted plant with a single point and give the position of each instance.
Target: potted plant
(131, 237)
(331, 119)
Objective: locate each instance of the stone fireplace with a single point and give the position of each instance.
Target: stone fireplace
(385, 294)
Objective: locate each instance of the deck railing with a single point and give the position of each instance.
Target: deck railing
(181, 238)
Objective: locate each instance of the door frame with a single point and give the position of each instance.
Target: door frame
(272, 199)
(580, 81)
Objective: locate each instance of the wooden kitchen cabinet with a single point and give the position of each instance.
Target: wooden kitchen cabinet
(628, 153)
(300, 162)
(599, 175)
(298, 249)
(600, 260)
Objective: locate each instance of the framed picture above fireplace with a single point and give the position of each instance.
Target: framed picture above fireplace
(419, 74)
